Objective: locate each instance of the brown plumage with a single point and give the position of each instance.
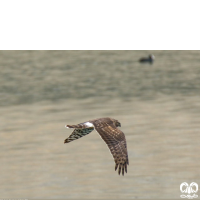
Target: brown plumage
(113, 137)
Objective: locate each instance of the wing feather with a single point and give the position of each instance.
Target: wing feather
(116, 141)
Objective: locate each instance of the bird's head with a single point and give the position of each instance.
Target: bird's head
(117, 123)
(151, 56)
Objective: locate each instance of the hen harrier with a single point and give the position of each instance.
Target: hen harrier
(113, 137)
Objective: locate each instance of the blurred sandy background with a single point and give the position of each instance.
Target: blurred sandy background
(158, 106)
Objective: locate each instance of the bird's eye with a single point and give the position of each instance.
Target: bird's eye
(118, 124)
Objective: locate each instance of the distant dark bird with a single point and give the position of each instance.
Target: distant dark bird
(113, 137)
(150, 59)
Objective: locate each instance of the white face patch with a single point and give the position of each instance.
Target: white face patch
(66, 126)
(88, 124)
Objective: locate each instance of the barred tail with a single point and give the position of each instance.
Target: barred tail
(78, 133)
(75, 126)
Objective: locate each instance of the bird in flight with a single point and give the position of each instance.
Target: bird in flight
(109, 132)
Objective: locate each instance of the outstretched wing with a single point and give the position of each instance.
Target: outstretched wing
(116, 141)
(78, 133)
